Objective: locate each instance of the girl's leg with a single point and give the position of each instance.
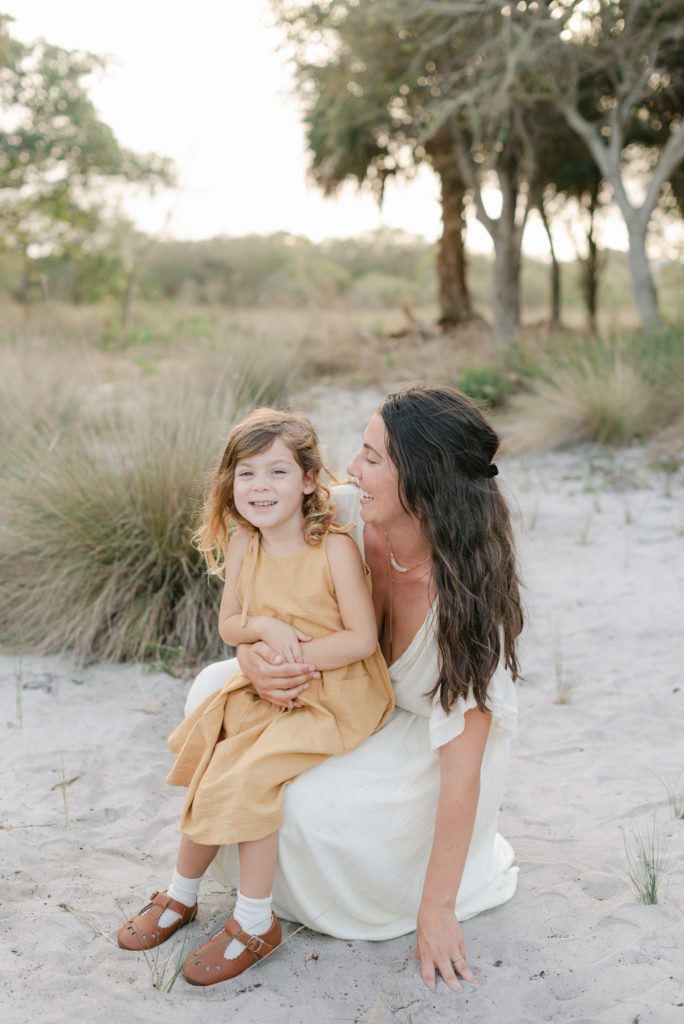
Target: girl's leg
(194, 858)
(158, 921)
(192, 861)
(253, 905)
(257, 866)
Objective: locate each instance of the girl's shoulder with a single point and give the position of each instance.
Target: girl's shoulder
(239, 541)
(340, 543)
(341, 552)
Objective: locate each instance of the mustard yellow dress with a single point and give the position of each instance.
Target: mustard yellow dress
(235, 752)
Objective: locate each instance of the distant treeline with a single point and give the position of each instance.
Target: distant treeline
(383, 268)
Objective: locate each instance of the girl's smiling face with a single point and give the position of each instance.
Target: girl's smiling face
(377, 476)
(268, 487)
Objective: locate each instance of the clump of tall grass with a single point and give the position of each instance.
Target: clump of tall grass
(645, 864)
(39, 392)
(613, 391)
(96, 549)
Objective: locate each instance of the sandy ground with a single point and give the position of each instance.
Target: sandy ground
(601, 540)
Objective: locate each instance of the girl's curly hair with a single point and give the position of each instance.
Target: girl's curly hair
(252, 436)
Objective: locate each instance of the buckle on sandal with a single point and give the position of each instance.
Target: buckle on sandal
(254, 944)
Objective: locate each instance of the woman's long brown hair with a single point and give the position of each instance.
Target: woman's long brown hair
(443, 447)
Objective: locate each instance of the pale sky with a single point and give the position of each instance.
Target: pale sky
(204, 83)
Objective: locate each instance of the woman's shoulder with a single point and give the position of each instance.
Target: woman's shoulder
(345, 498)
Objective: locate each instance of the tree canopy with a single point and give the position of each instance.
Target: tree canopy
(485, 88)
(57, 157)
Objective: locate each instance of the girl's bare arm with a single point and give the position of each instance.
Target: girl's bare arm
(359, 637)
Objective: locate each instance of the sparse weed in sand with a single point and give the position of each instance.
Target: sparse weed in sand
(675, 795)
(585, 528)
(565, 682)
(148, 705)
(63, 784)
(18, 695)
(645, 863)
(533, 517)
(166, 965)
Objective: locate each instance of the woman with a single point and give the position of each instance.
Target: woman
(394, 835)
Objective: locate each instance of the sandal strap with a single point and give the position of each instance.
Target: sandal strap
(256, 945)
(163, 900)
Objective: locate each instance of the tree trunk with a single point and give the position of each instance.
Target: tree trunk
(590, 281)
(590, 267)
(506, 283)
(643, 286)
(555, 269)
(454, 298)
(507, 238)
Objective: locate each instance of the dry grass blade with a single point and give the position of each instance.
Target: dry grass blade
(86, 920)
(67, 782)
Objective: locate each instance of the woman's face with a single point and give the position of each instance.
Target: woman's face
(377, 476)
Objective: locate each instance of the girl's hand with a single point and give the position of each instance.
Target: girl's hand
(283, 638)
(274, 680)
(441, 947)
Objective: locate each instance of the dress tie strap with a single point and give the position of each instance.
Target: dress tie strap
(251, 557)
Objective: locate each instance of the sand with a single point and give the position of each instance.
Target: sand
(89, 827)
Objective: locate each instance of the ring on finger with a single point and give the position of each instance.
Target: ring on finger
(459, 957)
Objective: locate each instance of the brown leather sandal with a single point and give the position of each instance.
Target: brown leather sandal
(207, 965)
(142, 931)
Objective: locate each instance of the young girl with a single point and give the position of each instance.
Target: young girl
(294, 579)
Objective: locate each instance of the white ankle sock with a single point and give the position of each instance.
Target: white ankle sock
(185, 891)
(254, 916)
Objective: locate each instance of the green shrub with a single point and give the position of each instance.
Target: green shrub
(487, 385)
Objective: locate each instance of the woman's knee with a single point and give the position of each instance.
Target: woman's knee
(208, 681)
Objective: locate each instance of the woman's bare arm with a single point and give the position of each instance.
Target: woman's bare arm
(440, 943)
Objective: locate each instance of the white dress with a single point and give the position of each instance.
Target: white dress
(358, 828)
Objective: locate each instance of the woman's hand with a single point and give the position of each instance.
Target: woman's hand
(274, 679)
(282, 638)
(441, 947)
